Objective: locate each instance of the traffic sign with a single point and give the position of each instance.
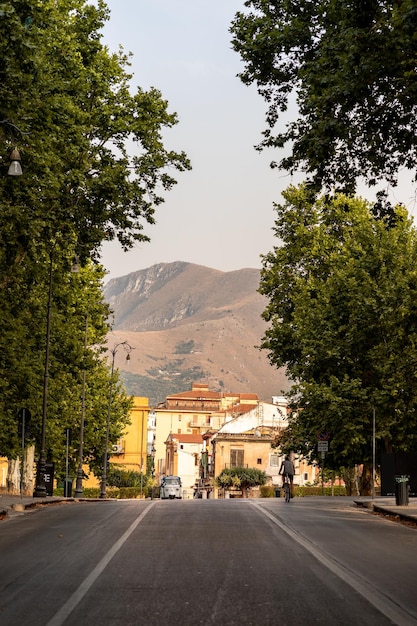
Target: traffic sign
(323, 436)
(323, 446)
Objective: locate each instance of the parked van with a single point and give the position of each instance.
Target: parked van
(171, 488)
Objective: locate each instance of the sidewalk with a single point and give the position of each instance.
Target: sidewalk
(13, 505)
(387, 506)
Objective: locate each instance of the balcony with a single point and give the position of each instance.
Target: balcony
(234, 465)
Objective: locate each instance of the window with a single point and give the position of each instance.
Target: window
(274, 460)
(259, 461)
(236, 458)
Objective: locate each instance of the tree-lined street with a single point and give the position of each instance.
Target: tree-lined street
(316, 560)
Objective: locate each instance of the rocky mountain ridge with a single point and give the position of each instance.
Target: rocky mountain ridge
(187, 323)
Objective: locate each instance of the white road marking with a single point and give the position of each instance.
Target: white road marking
(386, 606)
(59, 618)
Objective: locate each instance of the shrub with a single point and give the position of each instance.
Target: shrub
(267, 491)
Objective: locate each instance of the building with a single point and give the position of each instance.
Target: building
(246, 441)
(194, 412)
(183, 456)
(132, 449)
(200, 432)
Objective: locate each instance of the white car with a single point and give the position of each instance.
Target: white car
(171, 488)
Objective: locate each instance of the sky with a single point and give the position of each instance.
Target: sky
(221, 213)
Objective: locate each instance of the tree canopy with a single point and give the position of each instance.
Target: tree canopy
(342, 293)
(347, 72)
(241, 478)
(95, 168)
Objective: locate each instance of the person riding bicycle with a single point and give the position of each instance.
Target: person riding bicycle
(287, 469)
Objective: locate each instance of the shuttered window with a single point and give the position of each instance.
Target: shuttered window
(236, 458)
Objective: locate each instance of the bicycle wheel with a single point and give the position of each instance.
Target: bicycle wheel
(287, 492)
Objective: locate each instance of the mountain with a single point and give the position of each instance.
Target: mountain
(188, 323)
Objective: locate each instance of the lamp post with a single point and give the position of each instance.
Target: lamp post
(40, 487)
(78, 492)
(113, 352)
(373, 454)
(153, 450)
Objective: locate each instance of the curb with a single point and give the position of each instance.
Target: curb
(21, 507)
(18, 507)
(376, 508)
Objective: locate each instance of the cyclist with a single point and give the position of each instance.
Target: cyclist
(287, 469)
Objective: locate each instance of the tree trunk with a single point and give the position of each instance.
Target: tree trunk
(28, 474)
(366, 480)
(349, 480)
(13, 476)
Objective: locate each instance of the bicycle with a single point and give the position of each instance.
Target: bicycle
(287, 488)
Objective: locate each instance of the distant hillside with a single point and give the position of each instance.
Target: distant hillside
(188, 323)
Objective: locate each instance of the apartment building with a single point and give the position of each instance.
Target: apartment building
(194, 412)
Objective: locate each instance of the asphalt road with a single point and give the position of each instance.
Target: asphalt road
(227, 562)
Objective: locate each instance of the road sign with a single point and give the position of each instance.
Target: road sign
(323, 436)
(323, 446)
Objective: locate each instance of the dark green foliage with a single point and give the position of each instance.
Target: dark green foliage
(241, 478)
(157, 386)
(346, 71)
(117, 477)
(185, 347)
(94, 169)
(342, 294)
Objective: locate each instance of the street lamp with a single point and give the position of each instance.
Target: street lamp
(15, 169)
(128, 348)
(40, 487)
(78, 492)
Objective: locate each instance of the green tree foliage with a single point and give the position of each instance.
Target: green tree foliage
(92, 151)
(76, 309)
(348, 68)
(342, 291)
(95, 168)
(241, 478)
(117, 477)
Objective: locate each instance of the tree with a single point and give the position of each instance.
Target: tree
(77, 307)
(95, 169)
(350, 66)
(241, 478)
(72, 99)
(342, 291)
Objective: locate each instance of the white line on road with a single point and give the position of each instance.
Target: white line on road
(59, 618)
(386, 606)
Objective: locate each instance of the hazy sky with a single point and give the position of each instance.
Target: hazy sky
(221, 213)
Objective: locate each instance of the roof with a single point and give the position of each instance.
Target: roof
(197, 394)
(248, 396)
(184, 438)
(240, 408)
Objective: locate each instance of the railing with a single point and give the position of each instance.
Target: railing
(233, 465)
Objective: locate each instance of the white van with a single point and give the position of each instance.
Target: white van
(171, 488)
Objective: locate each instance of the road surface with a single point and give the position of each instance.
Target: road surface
(227, 562)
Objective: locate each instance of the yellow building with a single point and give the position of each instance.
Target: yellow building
(3, 473)
(131, 450)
